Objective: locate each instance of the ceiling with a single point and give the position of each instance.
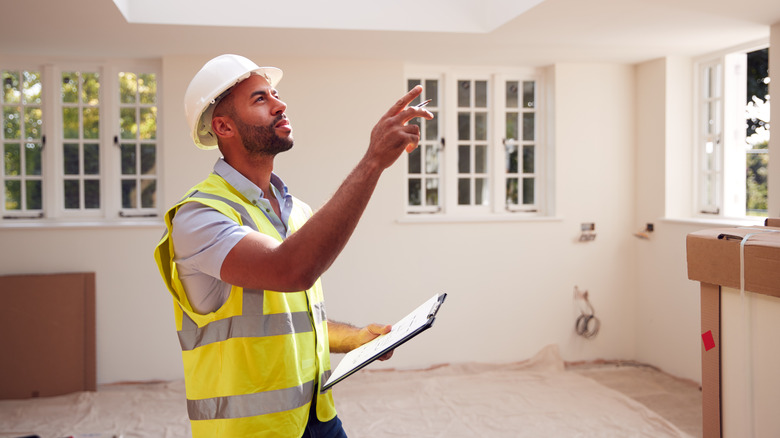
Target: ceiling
(507, 32)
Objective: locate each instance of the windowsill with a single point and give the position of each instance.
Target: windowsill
(720, 221)
(156, 223)
(443, 219)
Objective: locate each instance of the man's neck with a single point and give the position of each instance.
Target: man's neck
(255, 168)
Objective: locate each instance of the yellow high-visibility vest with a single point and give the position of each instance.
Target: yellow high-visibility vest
(252, 367)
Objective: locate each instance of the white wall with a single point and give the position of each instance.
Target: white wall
(618, 129)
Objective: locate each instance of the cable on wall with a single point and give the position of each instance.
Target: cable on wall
(587, 325)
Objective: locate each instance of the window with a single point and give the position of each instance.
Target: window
(22, 142)
(483, 154)
(79, 143)
(732, 134)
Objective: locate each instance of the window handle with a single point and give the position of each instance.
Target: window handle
(116, 140)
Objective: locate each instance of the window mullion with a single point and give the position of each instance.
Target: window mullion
(52, 148)
(110, 156)
(498, 144)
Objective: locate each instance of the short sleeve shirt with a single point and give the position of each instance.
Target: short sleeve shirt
(203, 237)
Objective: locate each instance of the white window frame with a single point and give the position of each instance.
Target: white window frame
(719, 139)
(496, 208)
(110, 211)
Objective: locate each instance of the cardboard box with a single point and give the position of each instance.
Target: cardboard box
(715, 258)
(48, 335)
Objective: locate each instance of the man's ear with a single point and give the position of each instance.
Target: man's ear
(222, 126)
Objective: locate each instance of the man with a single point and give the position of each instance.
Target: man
(242, 259)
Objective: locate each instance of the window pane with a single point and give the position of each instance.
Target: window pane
(91, 159)
(12, 159)
(712, 119)
(148, 159)
(511, 126)
(432, 191)
(32, 87)
(91, 123)
(464, 94)
(432, 127)
(464, 159)
(32, 159)
(528, 191)
(72, 193)
(12, 128)
(148, 129)
(70, 87)
(480, 94)
(411, 83)
(511, 94)
(91, 193)
(128, 193)
(70, 123)
(511, 191)
(11, 91)
(128, 87)
(757, 172)
(432, 91)
(415, 188)
(709, 156)
(127, 125)
(464, 126)
(464, 191)
(431, 159)
(529, 95)
(32, 123)
(90, 88)
(34, 195)
(511, 159)
(528, 159)
(528, 126)
(709, 190)
(147, 88)
(480, 159)
(13, 195)
(128, 160)
(480, 191)
(415, 166)
(70, 159)
(148, 193)
(480, 126)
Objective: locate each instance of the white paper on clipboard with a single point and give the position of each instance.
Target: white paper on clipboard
(408, 327)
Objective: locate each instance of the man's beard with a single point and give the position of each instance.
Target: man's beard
(263, 140)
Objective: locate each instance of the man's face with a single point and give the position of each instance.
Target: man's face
(259, 117)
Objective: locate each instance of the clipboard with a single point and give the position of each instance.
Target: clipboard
(410, 326)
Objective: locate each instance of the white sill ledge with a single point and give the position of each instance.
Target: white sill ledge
(717, 222)
(441, 219)
(26, 224)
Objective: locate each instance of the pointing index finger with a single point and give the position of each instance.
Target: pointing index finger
(404, 101)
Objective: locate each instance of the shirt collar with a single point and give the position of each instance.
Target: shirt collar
(247, 188)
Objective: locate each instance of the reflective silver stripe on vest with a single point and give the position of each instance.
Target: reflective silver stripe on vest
(252, 323)
(245, 217)
(243, 326)
(250, 405)
(324, 378)
(319, 313)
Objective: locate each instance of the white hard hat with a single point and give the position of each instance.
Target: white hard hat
(217, 76)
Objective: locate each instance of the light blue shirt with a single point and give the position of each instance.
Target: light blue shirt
(203, 237)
